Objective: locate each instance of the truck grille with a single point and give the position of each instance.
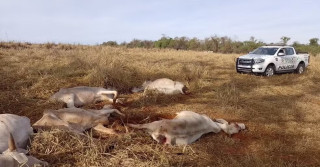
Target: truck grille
(245, 65)
(246, 62)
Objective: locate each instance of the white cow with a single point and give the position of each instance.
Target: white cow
(77, 120)
(14, 157)
(83, 95)
(231, 128)
(163, 85)
(185, 128)
(20, 128)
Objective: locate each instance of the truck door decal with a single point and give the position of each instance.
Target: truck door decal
(287, 60)
(287, 67)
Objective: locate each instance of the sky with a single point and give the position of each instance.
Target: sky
(98, 21)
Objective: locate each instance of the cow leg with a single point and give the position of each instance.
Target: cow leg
(101, 129)
(51, 120)
(109, 111)
(115, 95)
(69, 100)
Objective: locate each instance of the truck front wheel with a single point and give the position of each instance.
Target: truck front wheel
(269, 71)
(300, 68)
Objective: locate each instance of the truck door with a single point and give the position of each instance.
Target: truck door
(285, 59)
(291, 56)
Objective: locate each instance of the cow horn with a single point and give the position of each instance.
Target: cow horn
(11, 143)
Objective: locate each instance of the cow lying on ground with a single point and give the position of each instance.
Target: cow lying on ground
(231, 128)
(83, 95)
(14, 157)
(77, 120)
(163, 85)
(186, 128)
(19, 127)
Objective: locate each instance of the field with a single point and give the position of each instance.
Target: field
(282, 112)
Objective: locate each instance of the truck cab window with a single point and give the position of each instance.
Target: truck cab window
(282, 51)
(289, 51)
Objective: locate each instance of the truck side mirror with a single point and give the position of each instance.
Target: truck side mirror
(280, 54)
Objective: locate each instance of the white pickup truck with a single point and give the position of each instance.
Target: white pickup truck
(268, 60)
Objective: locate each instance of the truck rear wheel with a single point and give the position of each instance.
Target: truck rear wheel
(300, 69)
(269, 71)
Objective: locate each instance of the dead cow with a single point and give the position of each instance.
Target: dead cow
(185, 128)
(20, 128)
(83, 95)
(14, 157)
(231, 128)
(77, 120)
(163, 85)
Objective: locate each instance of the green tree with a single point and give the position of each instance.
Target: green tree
(314, 41)
(253, 39)
(172, 43)
(226, 45)
(110, 43)
(212, 44)
(135, 43)
(163, 42)
(148, 43)
(285, 39)
(181, 43)
(194, 44)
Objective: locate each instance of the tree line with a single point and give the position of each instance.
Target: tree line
(215, 44)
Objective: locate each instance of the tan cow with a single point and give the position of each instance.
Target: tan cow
(18, 126)
(83, 95)
(12, 157)
(186, 128)
(77, 120)
(163, 85)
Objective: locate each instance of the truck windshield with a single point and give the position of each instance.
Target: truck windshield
(265, 51)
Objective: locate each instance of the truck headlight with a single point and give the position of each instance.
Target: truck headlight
(256, 61)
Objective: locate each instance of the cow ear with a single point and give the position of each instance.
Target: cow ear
(236, 125)
(20, 157)
(11, 143)
(21, 150)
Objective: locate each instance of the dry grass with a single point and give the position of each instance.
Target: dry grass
(282, 112)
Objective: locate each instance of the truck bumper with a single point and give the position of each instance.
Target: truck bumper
(250, 68)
